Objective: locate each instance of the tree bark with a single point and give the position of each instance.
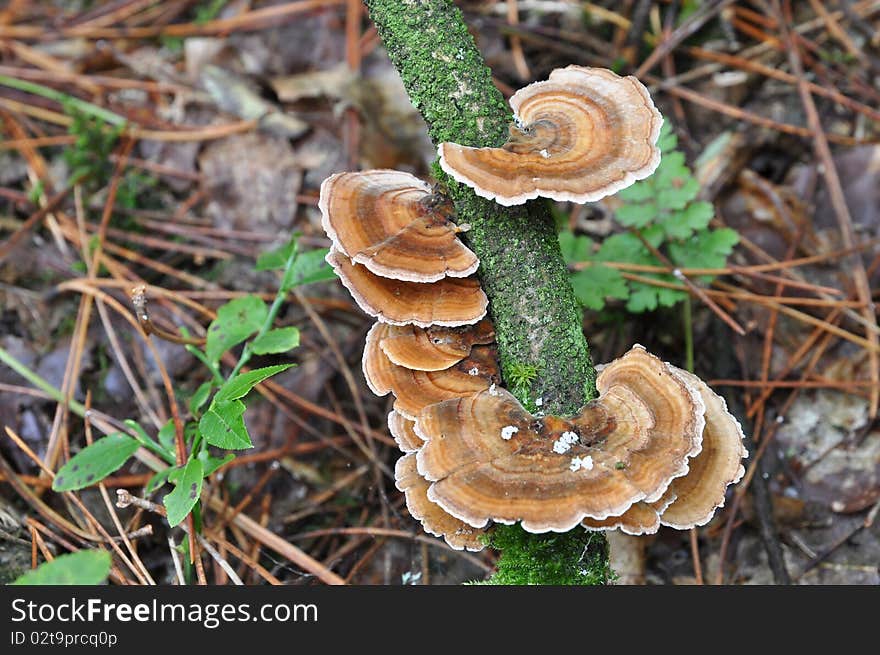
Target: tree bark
(544, 357)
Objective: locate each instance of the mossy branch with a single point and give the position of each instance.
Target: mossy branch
(538, 322)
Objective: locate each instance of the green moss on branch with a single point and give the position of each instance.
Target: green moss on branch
(537, 318)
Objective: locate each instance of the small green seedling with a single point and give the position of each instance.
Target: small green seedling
(217, 406)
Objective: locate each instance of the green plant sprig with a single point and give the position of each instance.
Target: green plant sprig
(246, 320)
(663, 210)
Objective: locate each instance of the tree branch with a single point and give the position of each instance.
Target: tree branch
(542, 350)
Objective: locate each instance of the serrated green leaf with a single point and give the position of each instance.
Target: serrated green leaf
(84, 567)
(279, 340)
(693, 218)
(678, 194)
(241, 384)
(199, 397)
(223, 425)
(653, 234)
(236, 321)
(595, 283)
(94, 463)
(636, 215)
(642, 299)
(707, 249)
(186, 493)
(624, 247)
(308, 267)
(158, 480)
(667, 140)
(211, 463)
(638, 192)
(575, 248)
(277, 258)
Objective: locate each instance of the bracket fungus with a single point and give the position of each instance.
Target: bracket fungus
(719, 464)
(691, 500)
(403, 431)
(434, 348)
(458, 534)
(448, 302)
(488, 459)
(583, 134)
(414, 389)
(390, 222)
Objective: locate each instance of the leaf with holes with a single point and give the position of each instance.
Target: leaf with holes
(186, 492)
(94, 463)
(236, 321)
(223, 425)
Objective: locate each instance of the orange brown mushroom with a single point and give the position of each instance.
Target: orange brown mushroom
(458, 534)
(692, 499)
(449, 302)
(389, 222)
(488, 459)
(583, 134)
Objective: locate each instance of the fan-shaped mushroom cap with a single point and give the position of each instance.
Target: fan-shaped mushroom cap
(585, 133)
(489, 459)
(402, 430)
(458, 534)
(376, 366)
(434, 348)
(389, 222)
(449, 302)
(719, 463)
(641, 518)
(415, 390)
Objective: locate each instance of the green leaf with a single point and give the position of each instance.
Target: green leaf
(678, 194)
(166, 436)
(94, 463)
(595, 283)
(158, 480)
(575, 248)
(636, 215)
(241, 384)
(624, 247)
(275, 259)
(707, 249)
(279, 340)
(199, 397)
(223, 425)
(211, 463)
(693, 218)
(186, 493)
(668, 140)
(236, 321)
(309, 267)
(84, 567)
(638, 192)
(642, 299)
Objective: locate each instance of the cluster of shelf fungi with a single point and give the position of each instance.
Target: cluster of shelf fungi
(657, 447)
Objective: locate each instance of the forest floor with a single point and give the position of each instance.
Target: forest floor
(231, 113)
